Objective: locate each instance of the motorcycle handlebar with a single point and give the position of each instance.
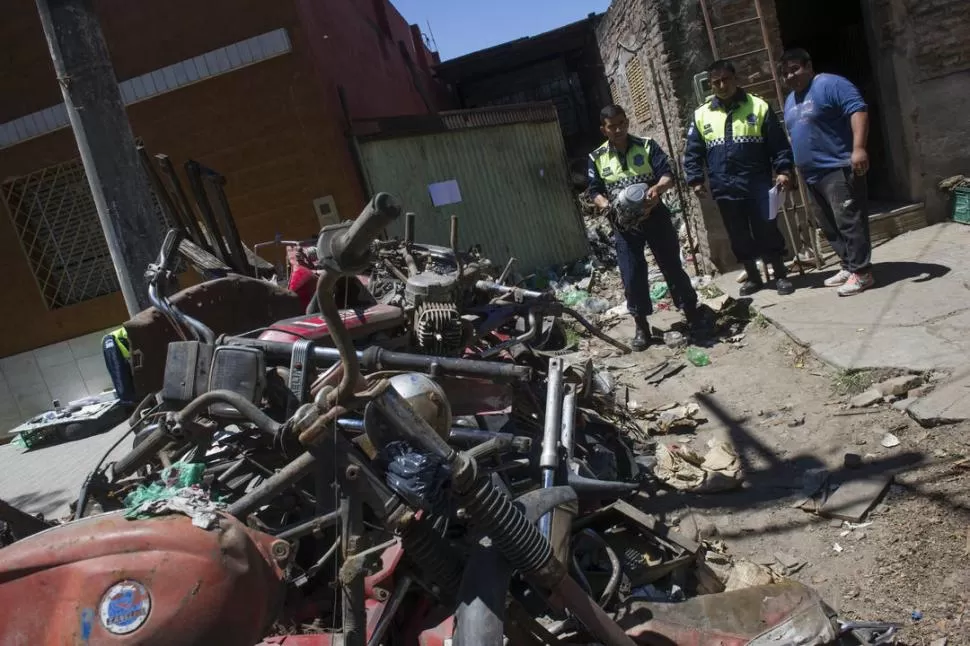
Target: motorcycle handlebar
(169, 247)
(351, 248)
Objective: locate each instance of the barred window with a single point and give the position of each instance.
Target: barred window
(56, 222)
(637, 82)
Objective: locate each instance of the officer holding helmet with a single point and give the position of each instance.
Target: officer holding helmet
(627, 176)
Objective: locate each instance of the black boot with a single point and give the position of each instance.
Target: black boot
(753, 283)
(642, 337)
(782, 284)
(698, 324)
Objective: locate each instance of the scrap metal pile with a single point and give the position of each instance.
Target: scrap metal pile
(409, 462)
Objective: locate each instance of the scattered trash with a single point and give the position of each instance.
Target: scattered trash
(889, 441)
(658, 292)
(674, 339)
(572, 297)
(866, 399)
(683, 469)
(838, 548)
(736, 339)
(664, 371)
(679, 419)
(853, 500)
(789, 562)
(746, 574)
(917, 615)
(698, 357)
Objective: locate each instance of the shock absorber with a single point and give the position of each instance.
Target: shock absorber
(519, 541)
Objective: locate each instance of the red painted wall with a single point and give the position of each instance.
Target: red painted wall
(355, 44)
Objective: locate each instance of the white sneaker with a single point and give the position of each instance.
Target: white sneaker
(857, 283)
(838, 279)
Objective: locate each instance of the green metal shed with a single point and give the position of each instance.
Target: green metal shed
(501, 170)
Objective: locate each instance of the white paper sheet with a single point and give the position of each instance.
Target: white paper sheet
(776, 197)
(444, 193)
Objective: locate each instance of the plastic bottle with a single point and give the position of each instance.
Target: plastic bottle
(698, 357)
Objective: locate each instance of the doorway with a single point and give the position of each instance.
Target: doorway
(834, 33)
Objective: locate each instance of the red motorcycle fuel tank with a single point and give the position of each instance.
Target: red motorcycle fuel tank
(158, 582)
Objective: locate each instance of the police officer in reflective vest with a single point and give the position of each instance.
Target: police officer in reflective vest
(625, 160)
(741, 141)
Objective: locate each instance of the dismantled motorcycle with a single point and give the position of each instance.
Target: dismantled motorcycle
(306, 491)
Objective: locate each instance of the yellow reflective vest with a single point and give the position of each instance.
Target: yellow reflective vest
(747, 122)
(617, 175)
(121, 340)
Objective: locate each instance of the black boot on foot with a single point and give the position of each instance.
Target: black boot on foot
(641, 340)
(782, 284)
(753, 283)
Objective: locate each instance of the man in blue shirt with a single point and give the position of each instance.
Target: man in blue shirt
(741, 141)
(625, 160)
(829, 124)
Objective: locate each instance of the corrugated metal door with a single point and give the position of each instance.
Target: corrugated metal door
(516, 198)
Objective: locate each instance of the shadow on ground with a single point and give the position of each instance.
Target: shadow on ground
(885, 273)
(780, 478)
(43, 503)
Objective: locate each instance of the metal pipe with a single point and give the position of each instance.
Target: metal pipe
(489, 286)
(338, 332)
(678, 184)
(505, 272)
(568, 438)
(595, 331)
(354, 613)
(300, 530)
(245, 407)
(375, 358)
(273, 486)
(527, 336)
(409, 227)
(549, 458)
(390, 609)
(453, 238)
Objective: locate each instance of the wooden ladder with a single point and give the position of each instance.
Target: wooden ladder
(798, 206)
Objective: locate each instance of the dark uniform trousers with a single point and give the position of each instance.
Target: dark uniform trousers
(657, 232)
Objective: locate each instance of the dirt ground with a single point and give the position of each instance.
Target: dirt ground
(785, 412)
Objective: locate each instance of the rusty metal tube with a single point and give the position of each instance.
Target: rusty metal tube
(453, 239)
(409, 227)
(274, 485)
(338, 332)
(595, 331)
(593, 617)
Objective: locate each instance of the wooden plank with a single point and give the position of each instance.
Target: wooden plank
(853, 500)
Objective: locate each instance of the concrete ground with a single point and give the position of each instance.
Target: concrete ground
(916, 318)
(47, 480)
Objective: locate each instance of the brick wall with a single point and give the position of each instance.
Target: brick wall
(631, 35)
(274, 129)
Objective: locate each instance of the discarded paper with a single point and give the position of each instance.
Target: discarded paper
(685, 470)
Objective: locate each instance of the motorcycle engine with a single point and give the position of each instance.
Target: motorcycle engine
(433, 299)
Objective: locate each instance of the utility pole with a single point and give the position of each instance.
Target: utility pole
(105, 141)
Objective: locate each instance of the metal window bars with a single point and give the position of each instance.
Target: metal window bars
(54, 217)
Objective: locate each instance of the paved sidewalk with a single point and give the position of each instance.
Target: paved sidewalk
(916, 319)
(46, 480)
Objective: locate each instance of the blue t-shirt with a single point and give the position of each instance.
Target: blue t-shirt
(819, 121)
